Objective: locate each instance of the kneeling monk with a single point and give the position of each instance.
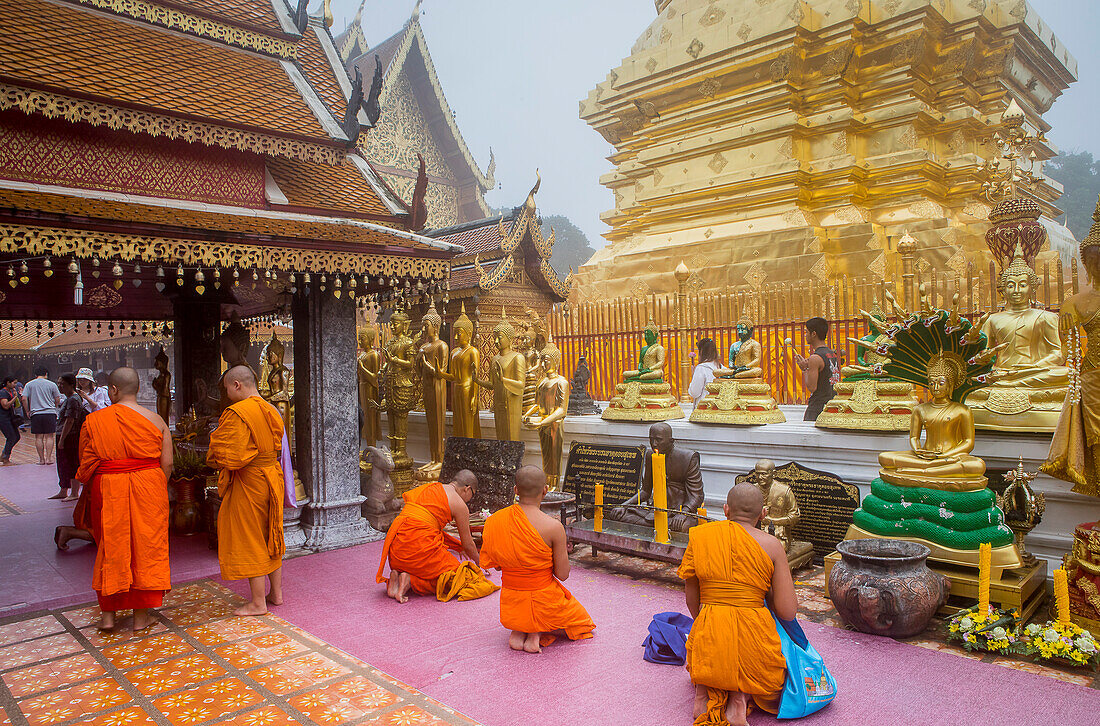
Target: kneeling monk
(125, 458)
(730, 569)
(528, 546)
(416, 546)
(245, 449)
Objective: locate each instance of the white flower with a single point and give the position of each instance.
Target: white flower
(1085, 646)
(966, 623)
(1050, 635)
(999, 633)
(1033, 629)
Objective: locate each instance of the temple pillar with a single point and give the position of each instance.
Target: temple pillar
(196, 352)
(327, 426)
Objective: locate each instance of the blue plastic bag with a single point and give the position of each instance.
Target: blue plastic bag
(809, 686)
(667, 640)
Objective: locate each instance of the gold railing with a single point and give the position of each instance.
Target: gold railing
(609, 332)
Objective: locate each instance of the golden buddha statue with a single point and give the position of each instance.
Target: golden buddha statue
(862, 400)
(546, 415)
(234, 344)
(643, 395)
(278, 382)
(534, 341)
(1030, 376)
(936, 492)
(465, 361)
(1075, 450)
(739, 395)
(507, 377)
(368, 369)
(400, 382)
(431, 359)
(162, 384)
(782, 513)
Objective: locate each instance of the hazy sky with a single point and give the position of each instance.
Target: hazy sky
(514, 71)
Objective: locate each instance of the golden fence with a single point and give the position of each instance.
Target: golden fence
(610, 332)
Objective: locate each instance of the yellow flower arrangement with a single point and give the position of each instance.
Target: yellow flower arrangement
(993, 630)
(1059, 640)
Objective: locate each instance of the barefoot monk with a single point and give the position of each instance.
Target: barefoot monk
(245, 449)
(528, 546)
(418, 550)
(732, 570)
(125, 459)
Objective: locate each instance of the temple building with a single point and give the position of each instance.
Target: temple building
(416, 123)
(165, 162)
(765, 141)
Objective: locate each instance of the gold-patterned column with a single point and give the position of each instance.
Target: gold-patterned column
(682, 274)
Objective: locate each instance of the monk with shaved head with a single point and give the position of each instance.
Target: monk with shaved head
(528, 546)
(732, 573)
(245, 450)
(418, 551)
(125, 459)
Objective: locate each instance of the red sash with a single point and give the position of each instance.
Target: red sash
(126, 466)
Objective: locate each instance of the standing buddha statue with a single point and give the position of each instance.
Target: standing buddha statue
(507, 376)
(278, 383)
(162, 384)
(399, 383)
(368, 368)
(431, 359)
(465, 361)
(1075, 451)
(549, 410)
(644, 395)
(535, 332)
(739, 395)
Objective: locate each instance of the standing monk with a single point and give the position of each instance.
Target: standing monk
(732, 572)
(528, 546)
(417, 548)
(125, 458)
(245, 450)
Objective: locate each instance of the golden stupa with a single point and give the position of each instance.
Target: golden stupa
(765, 141)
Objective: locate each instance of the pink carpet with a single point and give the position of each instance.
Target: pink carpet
(457, 652)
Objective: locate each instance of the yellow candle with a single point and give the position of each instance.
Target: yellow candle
(1061, 595)
(702, 512)
(985, 554)
(660, 499)
(597, 525)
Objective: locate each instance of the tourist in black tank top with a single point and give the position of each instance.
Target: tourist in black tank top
(821, 371)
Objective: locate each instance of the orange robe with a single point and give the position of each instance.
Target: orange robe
(416, 542)
(244, 448)
(126, 508)
(532, 599)
(733, 644)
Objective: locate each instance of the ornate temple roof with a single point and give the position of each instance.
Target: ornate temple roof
(351, 43)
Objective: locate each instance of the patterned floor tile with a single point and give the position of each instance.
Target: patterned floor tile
(195, 592)
(35, 651)
(82, 617)
(123, 634)
(267, 716)
(44, 676)
(160, 678)
(27, 629)
(200, 612)
(68, 703)
(407, 716)
(206, 702)
(225, 631)
(141, 652)
(344, 701)
(132, 716)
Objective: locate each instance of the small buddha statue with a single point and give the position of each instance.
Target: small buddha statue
(234, 342)
(162, 384)
(399, 384)
(465, 361)
(507, 377)
(643, 395)
(1030, 376)
(432, 358)
(278, 382)
(580, 403)
(548, 412)
(782, 513)
(739, 395)
(683, 482)
(368, 369)
(1075, 450)
(936, 492)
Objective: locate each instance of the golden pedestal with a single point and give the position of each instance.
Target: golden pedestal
(639, 401)
(1016, 409)
(1003, 558)
(738, 402)
(800, 554)
(1023, 588)
(869, 405)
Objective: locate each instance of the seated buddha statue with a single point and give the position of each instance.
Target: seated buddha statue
(739, 395)
(862, 400)
(936, 492)
(1030, 375)
(643, 395)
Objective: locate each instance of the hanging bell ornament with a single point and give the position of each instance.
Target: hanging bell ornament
(179, 276)
(47, 267)
(74, 268)
(236, 277)
(11, 275)
(116, 270)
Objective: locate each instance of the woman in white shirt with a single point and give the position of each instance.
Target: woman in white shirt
(704, 372)
(93, 398)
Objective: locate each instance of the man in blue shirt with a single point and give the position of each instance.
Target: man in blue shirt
(41, 397)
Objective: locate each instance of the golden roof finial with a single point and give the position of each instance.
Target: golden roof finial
(1093, 238)
(530, 203)
(327, 12)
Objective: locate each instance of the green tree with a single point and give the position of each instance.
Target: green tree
(1079, 175)
(571, 245)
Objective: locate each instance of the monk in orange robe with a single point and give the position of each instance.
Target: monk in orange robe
(529, 548)
(125, 458)
(732, 570)
(245, 449)
(416, 547)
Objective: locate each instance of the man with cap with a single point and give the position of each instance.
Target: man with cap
(93, 397)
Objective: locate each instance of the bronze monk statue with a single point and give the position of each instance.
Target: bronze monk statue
(684, 485)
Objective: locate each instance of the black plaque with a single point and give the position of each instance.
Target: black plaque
(495, 464)
(825, 502)
(618, 468)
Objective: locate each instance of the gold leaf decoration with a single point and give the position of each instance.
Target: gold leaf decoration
(709, 87)
(695, 48)
(878, 266)
(755, 276)
(820, 269)
(717, 163)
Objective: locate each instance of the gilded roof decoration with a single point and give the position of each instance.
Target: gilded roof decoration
(258, 13)
(36, 241)
(184, 22)
(136, 65)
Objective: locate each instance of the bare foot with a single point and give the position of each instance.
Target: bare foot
(60, 495)
(531, 644)
(404, 584)
(392, 584)
(737, 709)
(515, 640)
(274, 598)
(142, 620)
(251, 608)
(61, 538)
(106, 622)
(701, 699)
(70, 498)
